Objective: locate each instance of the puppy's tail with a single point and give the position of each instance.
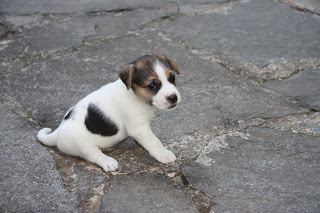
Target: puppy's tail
(47, 137)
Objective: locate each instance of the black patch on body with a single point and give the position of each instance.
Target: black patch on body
(98, 123)
(70, 113)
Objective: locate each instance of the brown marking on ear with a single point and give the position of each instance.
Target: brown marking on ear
(167, 61)
(126, 75)
(174, 66)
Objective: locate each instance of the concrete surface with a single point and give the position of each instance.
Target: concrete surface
(246, 133)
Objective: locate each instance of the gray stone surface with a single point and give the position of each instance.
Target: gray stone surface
(304, 5)
(269, 171)
(297, 88)
(246, 133)
(146, 193)
(3, 30)
(71, 6)
(222, 100)
(54, 34)
(29, 181)
(260, 32)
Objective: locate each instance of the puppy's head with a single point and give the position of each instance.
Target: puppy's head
(152, 78)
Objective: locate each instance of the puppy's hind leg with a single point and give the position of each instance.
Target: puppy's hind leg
(95, 155)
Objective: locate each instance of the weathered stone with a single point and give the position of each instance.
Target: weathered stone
(220, 7)
(72, 6)
(308, 94)
(304, 5)
(277, 32)
(3, 31)
(9, 68)
(301, 123)
(221, 98)
(10, 49)
(51, 34)
(145, 193)
(29, 181)
(26, 21)
(270, 170)
(85, 179)
(253, 147)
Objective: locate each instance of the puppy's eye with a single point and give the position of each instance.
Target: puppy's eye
(172, 78)
(151, 86)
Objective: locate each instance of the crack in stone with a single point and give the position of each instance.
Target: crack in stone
(89, 187)
(193, 147)
(274, 71)
(301, 7)
(93, 204)
(17, 108)
(43, 55)
(303, 123)
(200, 199)
(206, 8)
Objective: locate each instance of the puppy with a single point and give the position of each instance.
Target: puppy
(118, 110)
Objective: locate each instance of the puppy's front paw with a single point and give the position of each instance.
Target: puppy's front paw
(164, 156)
(109, 164)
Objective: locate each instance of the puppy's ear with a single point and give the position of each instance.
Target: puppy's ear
(126, 75)
(174, 66)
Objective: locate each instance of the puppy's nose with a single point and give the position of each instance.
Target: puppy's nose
(172, 99)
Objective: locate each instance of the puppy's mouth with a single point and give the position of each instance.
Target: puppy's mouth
(172, 106)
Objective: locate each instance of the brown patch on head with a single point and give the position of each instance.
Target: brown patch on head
(140, 75)
(144, 79)
(143, 93)
(168, 63)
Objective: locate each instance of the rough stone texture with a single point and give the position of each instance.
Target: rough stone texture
(29, 181)
(269, 171)
(246, 133)
(3, 30)
(222, 100)
(303, 123)
(71, 6)
(297, 88)
(304, 5)
(146, 193)
(71, 32)
(268, 38)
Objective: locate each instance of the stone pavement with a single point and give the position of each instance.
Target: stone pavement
(247, 134)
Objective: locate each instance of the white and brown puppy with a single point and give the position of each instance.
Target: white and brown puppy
(118, 110)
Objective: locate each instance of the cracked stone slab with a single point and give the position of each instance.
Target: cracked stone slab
(55, 34)
(269, 170)
(84, 179)
(301, 124)
(29, 181)
(277, 33)
(72, 6)
(211, 95)
(308, 94)
(304, 5)
(146, 193)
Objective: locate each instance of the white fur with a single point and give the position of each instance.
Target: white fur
(131, 115)
(160, 99)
